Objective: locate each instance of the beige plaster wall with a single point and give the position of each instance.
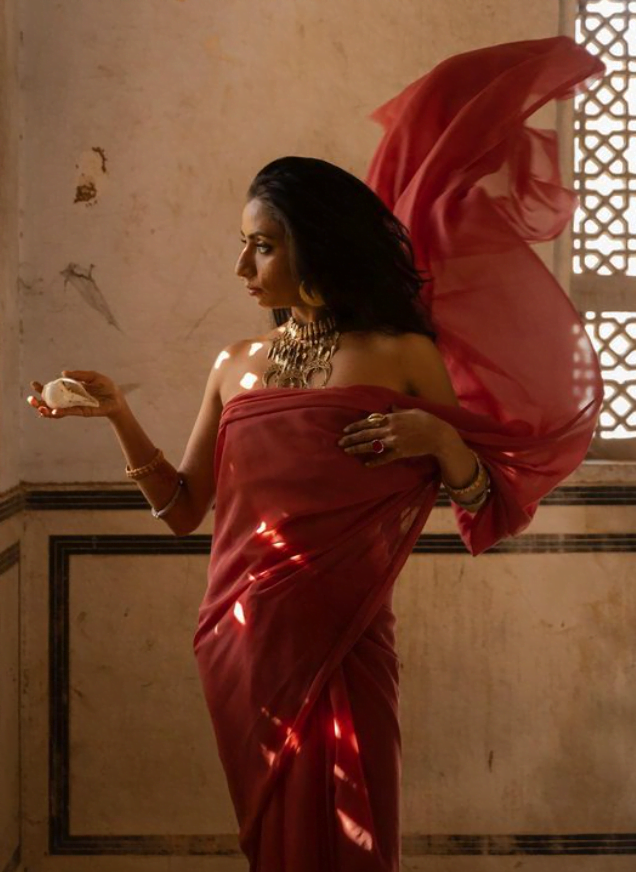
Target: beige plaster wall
(10, 522)
(144, 125)
(10, 328)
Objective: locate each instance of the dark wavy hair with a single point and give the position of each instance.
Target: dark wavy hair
(345, 243)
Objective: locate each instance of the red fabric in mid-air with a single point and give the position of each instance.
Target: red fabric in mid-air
(295, 639)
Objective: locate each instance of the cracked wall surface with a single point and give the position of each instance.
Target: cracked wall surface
(10, 324)
(144, 124)
(10, 400)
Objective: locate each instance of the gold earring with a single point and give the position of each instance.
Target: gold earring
(312, 298)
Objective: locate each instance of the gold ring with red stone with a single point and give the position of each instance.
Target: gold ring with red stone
(379, 420)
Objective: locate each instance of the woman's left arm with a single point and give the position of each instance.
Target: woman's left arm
(415, 432)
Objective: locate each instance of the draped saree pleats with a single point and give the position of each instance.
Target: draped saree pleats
(295, 641)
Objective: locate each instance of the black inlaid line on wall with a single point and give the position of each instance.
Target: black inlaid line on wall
(61, 841)
(506, 845)
(592, 495)
(14, 862)
(537, 543)
(84, 499)
(133, 500)
(9, 557)
(427, 543)
(11, 503)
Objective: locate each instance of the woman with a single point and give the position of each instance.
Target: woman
(324, 441)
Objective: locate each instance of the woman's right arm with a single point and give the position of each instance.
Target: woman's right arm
(197, 466)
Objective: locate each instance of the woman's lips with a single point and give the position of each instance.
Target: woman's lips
(254, 291)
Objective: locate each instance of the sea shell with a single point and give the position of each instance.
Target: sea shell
(65, 392)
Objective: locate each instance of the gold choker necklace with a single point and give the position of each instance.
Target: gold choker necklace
(300, 351)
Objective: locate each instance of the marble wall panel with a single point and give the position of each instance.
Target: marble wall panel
(39, 603)
(517, 693)
(135, 687)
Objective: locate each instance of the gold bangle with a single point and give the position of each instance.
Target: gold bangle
(475, 484)
(143, 471)
(475, 504)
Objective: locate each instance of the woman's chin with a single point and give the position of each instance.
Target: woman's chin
(267, 302)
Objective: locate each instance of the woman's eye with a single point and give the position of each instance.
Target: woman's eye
(262, 247)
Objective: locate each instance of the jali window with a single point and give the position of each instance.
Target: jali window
(604, 235)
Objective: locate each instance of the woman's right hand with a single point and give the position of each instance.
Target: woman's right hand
(110, 398)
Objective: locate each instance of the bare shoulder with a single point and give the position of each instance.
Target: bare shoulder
(416, 345)
(238, 358)
(242, 347)
(424, 369)
(225, 362)
(229, 353)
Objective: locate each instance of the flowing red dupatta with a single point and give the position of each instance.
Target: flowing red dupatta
(295, 640)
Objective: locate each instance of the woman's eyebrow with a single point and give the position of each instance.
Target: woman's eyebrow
(258, 233)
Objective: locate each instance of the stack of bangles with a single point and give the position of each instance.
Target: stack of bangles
(148, 469)
(475, 493)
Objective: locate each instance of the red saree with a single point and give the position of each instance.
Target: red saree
(295, 640)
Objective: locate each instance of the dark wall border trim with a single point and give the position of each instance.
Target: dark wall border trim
(532, 543)
(505, 845)
(12, 502)
(74, 500)
(9, 557)
(132, 500)
(226, 845)
(61, 841)
(14, 862)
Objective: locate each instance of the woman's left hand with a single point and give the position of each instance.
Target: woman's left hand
(406, 433)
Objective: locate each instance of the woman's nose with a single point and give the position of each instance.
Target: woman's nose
(243, 266)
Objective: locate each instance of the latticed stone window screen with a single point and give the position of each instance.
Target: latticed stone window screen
(614, 337)
(604, 233)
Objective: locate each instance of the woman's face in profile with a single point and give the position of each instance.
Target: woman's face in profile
(264, 261)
